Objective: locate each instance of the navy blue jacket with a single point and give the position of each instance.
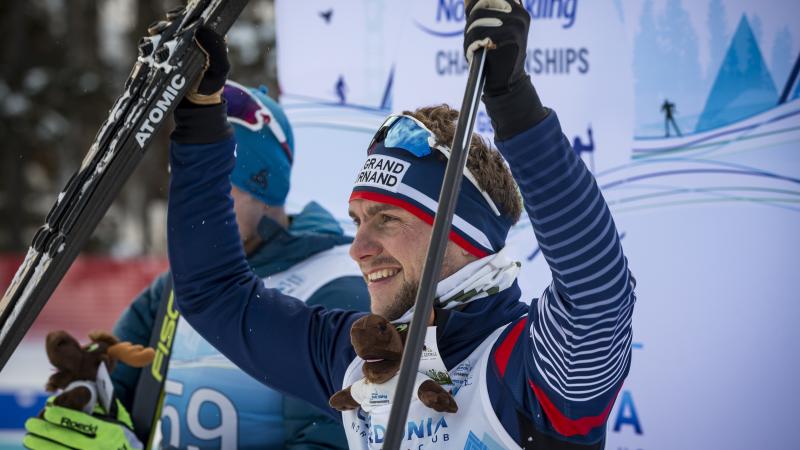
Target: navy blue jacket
(311, 231)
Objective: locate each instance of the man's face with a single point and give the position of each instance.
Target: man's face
(249, 211)
(390, 248)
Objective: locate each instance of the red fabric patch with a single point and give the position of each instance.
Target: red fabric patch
(563, 424)
(94, 292)
(424, 216)
(503, 352)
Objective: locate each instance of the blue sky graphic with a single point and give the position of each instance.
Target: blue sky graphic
(667, 65)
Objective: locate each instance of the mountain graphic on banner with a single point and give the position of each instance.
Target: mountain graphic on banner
(743, 86)
(797, 91)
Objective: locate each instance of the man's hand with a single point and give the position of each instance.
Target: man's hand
(501, 26)
(208, 90)
(201, 117)
(64, 428)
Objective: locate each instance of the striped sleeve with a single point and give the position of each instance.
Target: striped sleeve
(580, 328)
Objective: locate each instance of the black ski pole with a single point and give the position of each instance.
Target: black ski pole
(451, 185)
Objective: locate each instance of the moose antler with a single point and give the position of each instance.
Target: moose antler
(132, 355)
(104, 337)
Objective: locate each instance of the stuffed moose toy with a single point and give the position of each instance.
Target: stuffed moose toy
(381, 345)
(77, 367)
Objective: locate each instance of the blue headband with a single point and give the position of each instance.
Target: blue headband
(394, 174)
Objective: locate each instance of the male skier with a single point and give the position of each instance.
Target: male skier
(209, 402)
(543, 375)
(538, 376)
(668, 108)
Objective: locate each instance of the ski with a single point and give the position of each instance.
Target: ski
(167, 65)
(149, 400)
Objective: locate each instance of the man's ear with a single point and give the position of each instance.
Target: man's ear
(63, 351)
(457, 255)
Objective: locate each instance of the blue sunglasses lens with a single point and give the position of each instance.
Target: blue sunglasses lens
(406, 134)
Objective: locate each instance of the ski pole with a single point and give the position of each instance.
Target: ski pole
(451, 185)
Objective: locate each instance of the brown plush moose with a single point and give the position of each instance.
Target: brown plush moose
(380, 345)
(78, 366)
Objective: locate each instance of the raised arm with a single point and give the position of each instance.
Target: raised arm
(580, 328)
(276, 339)
(577, 350)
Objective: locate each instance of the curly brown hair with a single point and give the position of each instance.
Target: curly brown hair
(484, 162)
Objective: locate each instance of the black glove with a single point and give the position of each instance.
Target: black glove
(200, 117)
(208, 90)
(501, 26)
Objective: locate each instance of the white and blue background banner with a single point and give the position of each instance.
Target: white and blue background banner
(707, 202)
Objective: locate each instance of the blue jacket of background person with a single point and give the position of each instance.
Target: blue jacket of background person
(266, 419)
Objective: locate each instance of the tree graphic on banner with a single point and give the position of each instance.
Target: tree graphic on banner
(666, 55)
(743, 87)
(645, 61)
(782, 56)
(718, 36)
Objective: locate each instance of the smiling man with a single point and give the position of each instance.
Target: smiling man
(393, 204)
(543, 375)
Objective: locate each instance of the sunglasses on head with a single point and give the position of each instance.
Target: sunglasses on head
(400, 131)
(245, 109)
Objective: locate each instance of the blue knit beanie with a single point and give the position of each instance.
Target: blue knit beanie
(264, 143)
